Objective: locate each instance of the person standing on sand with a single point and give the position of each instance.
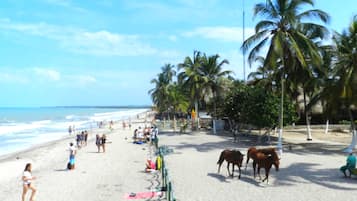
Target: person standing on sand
(98, 142)
(350, 164)
(70, 129)
(27, 182)
(104, 140)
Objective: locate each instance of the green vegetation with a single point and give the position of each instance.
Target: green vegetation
(300, 61)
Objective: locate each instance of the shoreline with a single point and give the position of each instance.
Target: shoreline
(4, 157)
(115, 173)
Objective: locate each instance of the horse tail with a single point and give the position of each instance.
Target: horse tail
(247, 157)
(221, 158)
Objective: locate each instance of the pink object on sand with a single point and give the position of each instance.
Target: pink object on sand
(142, 195)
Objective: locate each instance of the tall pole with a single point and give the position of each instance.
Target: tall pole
(243, 42)
(280, 144)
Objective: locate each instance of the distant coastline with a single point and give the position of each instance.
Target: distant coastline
(79, 106)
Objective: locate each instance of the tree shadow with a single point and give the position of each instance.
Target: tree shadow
(329, 178)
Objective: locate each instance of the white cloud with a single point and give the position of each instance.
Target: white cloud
(104, 43)
(99, 43)
(172, 38)
(86, 79)
(65, 3)
(12, 77)
(49, 74)
(221, 33)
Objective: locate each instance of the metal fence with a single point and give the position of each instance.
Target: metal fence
(166, 183)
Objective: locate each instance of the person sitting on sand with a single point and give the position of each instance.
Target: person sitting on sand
(27, 179)
(72, 154)
(150, 166)
(350, 164)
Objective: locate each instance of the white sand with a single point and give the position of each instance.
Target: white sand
(97, 177)
(306, 172)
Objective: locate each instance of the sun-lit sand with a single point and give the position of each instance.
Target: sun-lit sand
(97, 176)
(308, 170)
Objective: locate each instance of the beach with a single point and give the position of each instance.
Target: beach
(97, 176)
(307, 172)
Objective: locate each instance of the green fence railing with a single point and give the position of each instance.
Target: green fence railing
(166, 183)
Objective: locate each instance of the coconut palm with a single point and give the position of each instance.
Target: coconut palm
(346, 71)
(213, 76)
(287, 44)
(191, 77)
(159, 93)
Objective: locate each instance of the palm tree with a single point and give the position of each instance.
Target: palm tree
(346, 72)
(191, 78)
(177, 100)
(280, 30)
(159, 93)
(213, 80)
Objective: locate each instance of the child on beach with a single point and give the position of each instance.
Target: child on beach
(27, 179)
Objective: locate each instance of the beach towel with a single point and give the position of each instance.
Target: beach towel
(142, 195)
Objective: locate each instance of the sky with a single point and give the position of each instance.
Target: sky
(106, 52)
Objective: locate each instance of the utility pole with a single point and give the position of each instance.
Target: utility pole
(243, 42)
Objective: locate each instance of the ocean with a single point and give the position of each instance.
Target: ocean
(22, 128)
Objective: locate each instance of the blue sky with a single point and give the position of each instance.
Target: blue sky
(105, 52)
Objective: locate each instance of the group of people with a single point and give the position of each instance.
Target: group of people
(81, 139)
(100, 141)
(148, 134)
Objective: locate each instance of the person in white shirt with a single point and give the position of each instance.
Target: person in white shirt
(27, 182)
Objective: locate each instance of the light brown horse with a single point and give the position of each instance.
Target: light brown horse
(231, 156)
(263, 158)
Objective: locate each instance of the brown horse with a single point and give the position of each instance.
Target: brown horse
(252, 150)
(231, 156)
(264, 158)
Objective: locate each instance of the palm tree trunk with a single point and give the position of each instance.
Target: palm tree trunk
(326, 129)
(309, 138)
(354, 137)
(215, 113)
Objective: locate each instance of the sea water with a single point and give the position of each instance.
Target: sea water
(21, 128)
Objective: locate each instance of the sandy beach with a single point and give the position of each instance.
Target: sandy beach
(97, 176)
(309, 171)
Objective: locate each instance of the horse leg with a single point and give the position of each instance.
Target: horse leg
(232, 170)
(246, 164)
(260, 178)
(219, 167)
(239, 165)
(228, 168)
(266, 174)
(254, 166)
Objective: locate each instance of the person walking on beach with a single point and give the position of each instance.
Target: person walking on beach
(104, 140)
(85, 137)
(70, 129)
(27, 182)
(350, 164)
(98, 142)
